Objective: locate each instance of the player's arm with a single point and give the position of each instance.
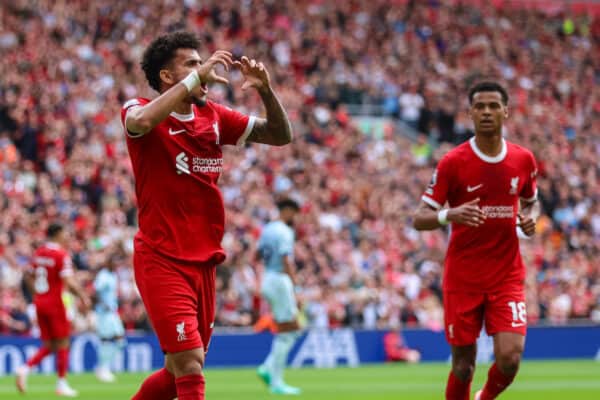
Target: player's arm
(141, 119)
(29, 279)
(529, 207)
(427, 217)
(74, 288)
(289, 268)
(528, 214)
(67, 276)
(276, 129)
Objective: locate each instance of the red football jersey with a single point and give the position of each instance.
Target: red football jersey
(176, 166)
(50, 263)
(487, 257)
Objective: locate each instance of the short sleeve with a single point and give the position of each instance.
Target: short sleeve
(286, 247)
(437, 191)
(130, 104)
(529, 189)
(234, 127)
(99, 282)
(67, 267)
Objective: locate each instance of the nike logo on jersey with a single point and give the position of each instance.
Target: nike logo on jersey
(517, 324)
(474, 188)
(173, 133)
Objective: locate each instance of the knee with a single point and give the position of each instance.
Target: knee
(508, 361)
(463, 369)
(190, 363)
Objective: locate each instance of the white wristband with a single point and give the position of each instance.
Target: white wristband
(191, 81)
(443, 217)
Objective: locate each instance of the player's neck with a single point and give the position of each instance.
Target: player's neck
(183, 108)
(490, 145)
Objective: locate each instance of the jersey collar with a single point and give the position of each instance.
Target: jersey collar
(486, 158)
(183, 117)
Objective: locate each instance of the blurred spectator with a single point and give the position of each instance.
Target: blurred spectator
(67, 67)
(395, 348)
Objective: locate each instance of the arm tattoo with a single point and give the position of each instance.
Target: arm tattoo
(276, 130)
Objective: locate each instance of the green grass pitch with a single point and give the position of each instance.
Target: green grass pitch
(536, 381)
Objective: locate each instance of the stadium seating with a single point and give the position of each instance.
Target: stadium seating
(65, 73)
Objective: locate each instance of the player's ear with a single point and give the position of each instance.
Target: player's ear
(166, 76)
(505, 111)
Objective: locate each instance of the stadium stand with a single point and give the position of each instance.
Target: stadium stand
(67, 66)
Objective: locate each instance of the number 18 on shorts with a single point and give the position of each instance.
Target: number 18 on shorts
(466, 313)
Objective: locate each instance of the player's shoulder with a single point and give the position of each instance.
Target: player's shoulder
(137, 101)
(54, 248)
(518, 150)
(458, 153)
(269, 227)
(216, 106)
(276, 226)
(50, 250)
(222, 110)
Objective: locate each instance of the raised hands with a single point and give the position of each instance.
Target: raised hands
(255, 73)
(206, 71)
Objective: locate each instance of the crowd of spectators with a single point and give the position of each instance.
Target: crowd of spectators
(66, 68)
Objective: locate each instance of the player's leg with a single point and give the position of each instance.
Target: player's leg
(158, 386)
(108, 349)
(186, 356)
(279, 291)
(62, 365)
(170, 295)
(458, 386)
(43, 351)
(110, 331)
(463, 314)
(22, 372)
(147, 268)
(268, 294)
(187, 368)
(506, 321)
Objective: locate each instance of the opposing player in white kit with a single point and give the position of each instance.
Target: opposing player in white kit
(109, 326)
(276, 247)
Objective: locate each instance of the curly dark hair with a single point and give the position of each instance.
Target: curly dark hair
(160, 52)
(488, 86)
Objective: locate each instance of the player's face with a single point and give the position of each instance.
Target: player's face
(184, 62)
(62, 237)
(488, 112)
(288, 215)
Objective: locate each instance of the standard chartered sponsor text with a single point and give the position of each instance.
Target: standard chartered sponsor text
(498, 211)
(207, 165)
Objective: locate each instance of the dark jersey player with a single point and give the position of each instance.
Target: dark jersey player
(489, 185)
(175, 144)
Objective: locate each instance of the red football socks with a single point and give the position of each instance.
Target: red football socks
(190, 387)
(457, 389)
(158, 386)
(38, 357)
(496, 383)
(62, 362)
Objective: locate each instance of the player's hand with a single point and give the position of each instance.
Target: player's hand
(86, 302)
(255, 73)
(467, 214)
(206, 71)
(527, 224)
